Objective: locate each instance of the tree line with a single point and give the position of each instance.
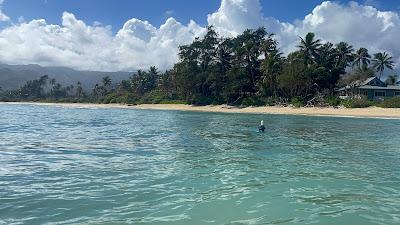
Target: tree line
(248, 69)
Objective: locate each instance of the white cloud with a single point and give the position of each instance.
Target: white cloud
(21, 19)
(139, 44)
(3, 17)
(359, 25)
(75, 44)
(234, 16)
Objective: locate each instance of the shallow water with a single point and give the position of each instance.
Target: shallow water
(63, 165)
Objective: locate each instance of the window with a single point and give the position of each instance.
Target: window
(365, 93)
(397, 93)
(380, 94)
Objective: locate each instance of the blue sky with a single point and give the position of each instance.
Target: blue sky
(117, 12)
(70, 37)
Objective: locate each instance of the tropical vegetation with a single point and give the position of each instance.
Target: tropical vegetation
(245, 70)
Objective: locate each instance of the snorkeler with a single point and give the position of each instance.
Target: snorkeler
(261, 127)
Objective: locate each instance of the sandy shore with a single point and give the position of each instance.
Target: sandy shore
(371, 112)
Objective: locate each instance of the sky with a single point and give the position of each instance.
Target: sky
(126, 35)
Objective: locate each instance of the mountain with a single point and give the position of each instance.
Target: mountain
(14, 76)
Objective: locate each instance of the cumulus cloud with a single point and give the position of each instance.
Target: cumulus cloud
(139, 44)
(3, 17)
(358, 24)
(234, 16)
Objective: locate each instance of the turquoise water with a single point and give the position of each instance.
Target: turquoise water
(115, 166)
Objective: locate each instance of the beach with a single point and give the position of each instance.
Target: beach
(370, 112)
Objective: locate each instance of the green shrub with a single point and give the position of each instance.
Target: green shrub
(272, 101)
(131, 99)
(5, 99)
(154, 97)
(114, 98)
(110, 98)
(332, 101)
(297, 102)
(357, 103)
(391, 103)
(200, 101)
(218, 100)
(172, 102)
(253, 101)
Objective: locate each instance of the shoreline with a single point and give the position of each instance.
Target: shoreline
(371, 112)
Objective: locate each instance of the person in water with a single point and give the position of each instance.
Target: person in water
(261, 127)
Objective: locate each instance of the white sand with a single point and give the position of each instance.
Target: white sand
(373, 112)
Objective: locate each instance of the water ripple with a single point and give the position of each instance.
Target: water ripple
(113, 166)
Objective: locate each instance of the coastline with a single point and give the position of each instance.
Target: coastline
(371, 112)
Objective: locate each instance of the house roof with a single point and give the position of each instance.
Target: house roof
(389, 87)
(369, 85)
(367, 81)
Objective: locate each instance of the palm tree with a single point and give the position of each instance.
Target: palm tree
(154, 75)
(362, 59)
(95, 91)
(382, 60)
(344, 53)
(43, 79)
(271, 68)
(106, 81)
(79, 89)
(309, 46)
(326, 56)
(42, 83)
(70, 90)
(52, 81)
(391, 80)
(106, 84)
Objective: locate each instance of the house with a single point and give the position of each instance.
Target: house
(372, 88)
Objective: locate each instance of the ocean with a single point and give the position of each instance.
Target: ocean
(65, 165)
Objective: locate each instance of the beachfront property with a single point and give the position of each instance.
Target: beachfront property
(372, 88)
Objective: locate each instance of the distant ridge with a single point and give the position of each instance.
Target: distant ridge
(14, 76)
